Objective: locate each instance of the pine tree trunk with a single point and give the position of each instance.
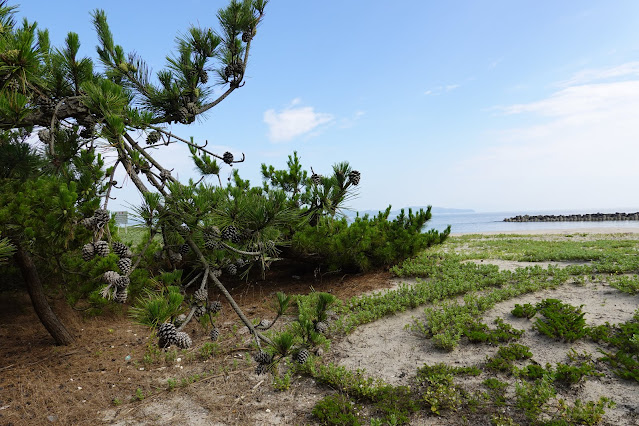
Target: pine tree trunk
(39, 300)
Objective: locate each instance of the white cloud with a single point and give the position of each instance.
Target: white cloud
(442, 89)
(629, 69)
(293, 121)
(579, 150)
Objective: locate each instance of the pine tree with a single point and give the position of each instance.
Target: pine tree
(73, 108)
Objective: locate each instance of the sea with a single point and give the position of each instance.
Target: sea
(476, 222)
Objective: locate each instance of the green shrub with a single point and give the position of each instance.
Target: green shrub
(533, 371)
(532, 397)
(524, 311)
(478, 332)
(437, 389)
(627, 284)
(560, 321)
(573, 374)
(506, 356)
(496, 390)
(625, 339)
(336, 410)
(367, 242)
(589, 413)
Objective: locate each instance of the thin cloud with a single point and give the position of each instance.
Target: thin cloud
(442, 89)
(294, 121)
(346, 123)
(630, 69)
(580, 148)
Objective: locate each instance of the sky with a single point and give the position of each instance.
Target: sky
(497, 105)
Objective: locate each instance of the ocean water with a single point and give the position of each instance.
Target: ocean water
(469, 223)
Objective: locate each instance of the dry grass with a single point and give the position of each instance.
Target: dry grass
(91, 381)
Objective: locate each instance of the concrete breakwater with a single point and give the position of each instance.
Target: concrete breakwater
(590, 217)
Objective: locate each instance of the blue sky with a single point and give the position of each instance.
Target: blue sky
(494, 105)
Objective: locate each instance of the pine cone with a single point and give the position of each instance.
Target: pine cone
(215, 334)
(302, 356)
(44, 135)
(183, 116)
(125, 265)
(354, 177)
(110, 277)
(153, 137)
(215, 307)
(321, 327)
(317, 179)
(166, 334)
(201, 294)
(184, 249)
(122, 282)
(231, 269)
(121, 296)
(230, 233)
(88, 251)
(89, 223)
(227, 157)
(261, 369)
(182, 340)
(120, 249)
(247, 35)
(101, 248)
(204, 77)
(263, 357)
(179, 320)
(199, 311)
(191, 107)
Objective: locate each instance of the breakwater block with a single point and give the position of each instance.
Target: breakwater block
(589, 217)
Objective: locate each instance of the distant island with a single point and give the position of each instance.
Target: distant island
(435, 210)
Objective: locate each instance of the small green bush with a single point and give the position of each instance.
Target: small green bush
(506, 356)
(336, 410)
(524, 311)
(496, 390)
(478, 332)
(560, 321)
(626, 284)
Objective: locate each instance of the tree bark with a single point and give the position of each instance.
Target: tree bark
(39, 300)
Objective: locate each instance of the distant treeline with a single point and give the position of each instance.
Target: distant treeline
(590, 217)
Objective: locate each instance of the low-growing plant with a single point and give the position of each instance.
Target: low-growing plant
(626, 284)
(478, 332)
(336, 409)
(506, 356)
(533, 397)
(560, 320)
(139, 394)
(209, 349)
(496, 390)
(437, 389)
(589, 413)
(524, 311)
(600, 333)
(282, 382)
(533, 371)
(573, 374)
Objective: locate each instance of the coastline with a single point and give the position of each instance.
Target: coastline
(594, 230)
